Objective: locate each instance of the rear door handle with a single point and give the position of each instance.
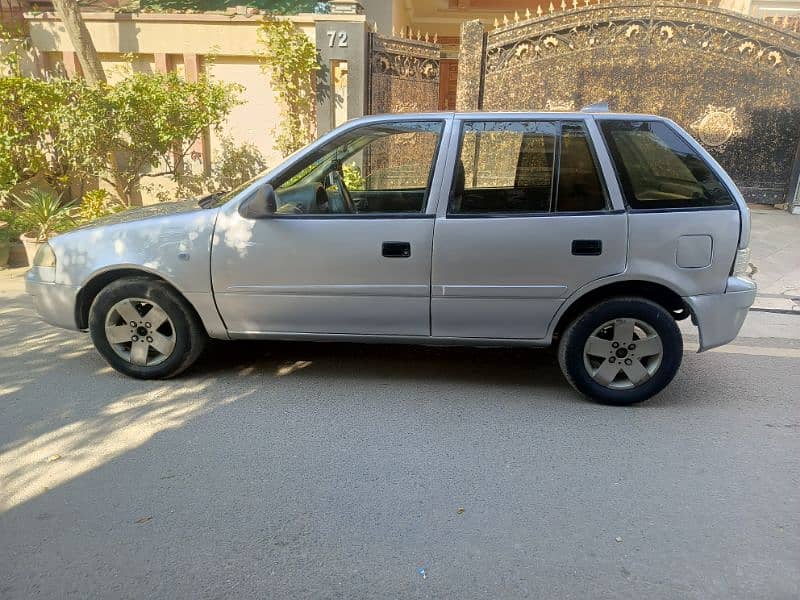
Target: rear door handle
(587, 247)
(396, 249)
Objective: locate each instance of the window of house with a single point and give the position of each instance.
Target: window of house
(658, 169)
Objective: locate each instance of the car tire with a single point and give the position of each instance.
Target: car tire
(145, 329)
(621, 351)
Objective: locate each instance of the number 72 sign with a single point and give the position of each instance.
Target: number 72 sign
(337, 38)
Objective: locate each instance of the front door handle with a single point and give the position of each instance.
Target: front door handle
(396, 249)
(587, 247)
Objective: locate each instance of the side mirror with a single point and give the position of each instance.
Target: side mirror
(262, 204)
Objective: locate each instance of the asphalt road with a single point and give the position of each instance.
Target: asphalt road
(339, 471)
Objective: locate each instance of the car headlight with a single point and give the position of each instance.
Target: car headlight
(45, 257)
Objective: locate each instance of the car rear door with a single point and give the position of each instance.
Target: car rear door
(530, 220)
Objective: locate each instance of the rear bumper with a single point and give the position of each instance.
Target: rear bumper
(719, 317)
(54, 302)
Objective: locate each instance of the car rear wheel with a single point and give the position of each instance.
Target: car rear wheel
(144, 329)
(621, 351)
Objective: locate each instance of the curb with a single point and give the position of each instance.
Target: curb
(776, 305)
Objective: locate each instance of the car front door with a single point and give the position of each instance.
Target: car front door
(348, 247)
(529, 221)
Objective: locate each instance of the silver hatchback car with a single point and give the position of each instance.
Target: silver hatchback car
(597, 231)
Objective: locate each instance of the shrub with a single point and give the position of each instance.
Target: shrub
(51, 128)
(157, 119)
(44, 213)
(95, 204)
(143, 126)
(236, 164)
(353, 178)
(17, 225)
(232, 166)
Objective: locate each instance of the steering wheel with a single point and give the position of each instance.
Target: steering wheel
(347, 200)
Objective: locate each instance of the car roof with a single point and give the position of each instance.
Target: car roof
(507, 114)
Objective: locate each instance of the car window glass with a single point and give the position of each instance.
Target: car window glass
(380, 168)
(579, 184)
(658, 169)
(504, 167)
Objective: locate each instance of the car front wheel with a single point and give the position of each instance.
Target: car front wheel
(621, 351)
(144, 329)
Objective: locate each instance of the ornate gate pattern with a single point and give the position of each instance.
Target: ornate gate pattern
(733, 81)
(404, 75)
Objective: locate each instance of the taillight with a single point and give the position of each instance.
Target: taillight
(741, 262)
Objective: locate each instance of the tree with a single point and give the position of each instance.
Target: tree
(70, 14)
(157, 119)
(282, 7)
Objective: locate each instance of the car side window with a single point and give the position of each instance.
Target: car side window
(378, 168)
(508, 167)
(504, 167)
(658, 169)
(579, 185)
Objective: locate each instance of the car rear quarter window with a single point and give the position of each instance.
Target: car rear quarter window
(658, 169)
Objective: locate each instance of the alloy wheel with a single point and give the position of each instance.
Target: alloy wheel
(623, 353)
(140, 332)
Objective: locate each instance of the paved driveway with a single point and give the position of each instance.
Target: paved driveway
(339, 471)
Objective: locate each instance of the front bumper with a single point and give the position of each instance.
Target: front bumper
(54, 302)
(719, 317)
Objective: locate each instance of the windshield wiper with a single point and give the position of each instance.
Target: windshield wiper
(210, 200)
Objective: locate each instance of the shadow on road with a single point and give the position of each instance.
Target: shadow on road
(65, 412)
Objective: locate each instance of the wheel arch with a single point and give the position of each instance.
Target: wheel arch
(649, 290)
(98, 281)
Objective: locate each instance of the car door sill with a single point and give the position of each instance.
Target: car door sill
(423, 340)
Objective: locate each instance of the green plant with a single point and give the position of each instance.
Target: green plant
(17, 225)
(45, 213)
(27, 108)
(353, 178)
(61, 128)
(232, 165)
(290, 59)
(95, 204)
(235, 164)
(157, 119)
(52, 128)
(283, 7)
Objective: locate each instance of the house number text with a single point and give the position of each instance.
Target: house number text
(337, 38)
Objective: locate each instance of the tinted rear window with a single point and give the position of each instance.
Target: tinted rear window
(526, 167)
(579, 186)
(658, 169)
